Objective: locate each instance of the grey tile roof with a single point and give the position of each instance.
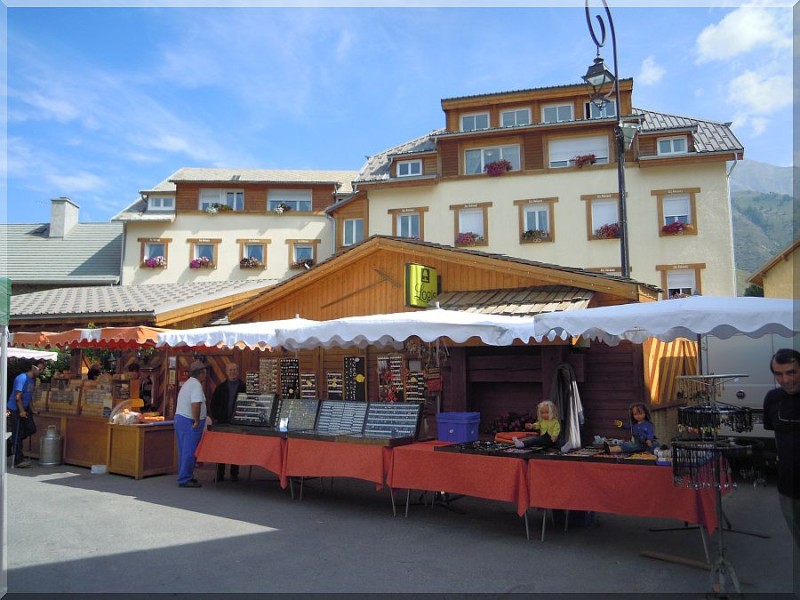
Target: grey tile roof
(378, 166)
(89, 254)
(142, 301)
(517, 302)
(344, 178)
(709, 136)
(137, 211)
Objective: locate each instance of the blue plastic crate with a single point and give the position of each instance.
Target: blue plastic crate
(458, 426)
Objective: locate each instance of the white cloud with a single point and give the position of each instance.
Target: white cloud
(742, 31)
(650, 73)
(760, 93)
(759, 125)
(76, 182)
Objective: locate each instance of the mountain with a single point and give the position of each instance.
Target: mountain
(762, 211)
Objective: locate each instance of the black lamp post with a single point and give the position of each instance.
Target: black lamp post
(599, 79)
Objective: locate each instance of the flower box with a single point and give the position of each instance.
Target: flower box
(677, 228)
(303, 264)
(497, 167)
(250, 263)
(201, 263)
(584, 159)
(468, 239)
(536, 235)
(282, 208)
(157, 262)
(608, 231)
(214, 208)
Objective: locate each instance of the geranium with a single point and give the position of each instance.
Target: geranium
(584, 159)
(511, 422)
(306, 263)
(498, 167)
(676, 227)
(608, 231)
(282, 208)
(200, 263)
(250, 262)
(536, 235)
(468, 239)
(216, 207)
(155, 262)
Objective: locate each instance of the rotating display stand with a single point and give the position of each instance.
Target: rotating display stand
(701, 461)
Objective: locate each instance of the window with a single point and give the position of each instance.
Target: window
(295, 200)
(477, 159)
(408, 226)
(203, 252)
(157, 203)
(591, 111)
(253, 253)
(154, 252)
(536, 220)
(234, 200)
(676, 211)
(602, 216)
(562, 152)
(471, 224)
(475, 122)
(515, 118)
(680, 280)
(557, 113)
(672, 145)
(408, 222)
(409, 168)
(302, 253)
(353, 231)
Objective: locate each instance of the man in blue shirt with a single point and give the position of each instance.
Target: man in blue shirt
(20, 406)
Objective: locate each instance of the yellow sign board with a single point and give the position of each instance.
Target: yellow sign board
(421, 285)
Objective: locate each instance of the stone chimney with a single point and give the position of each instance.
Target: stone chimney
(63, 216)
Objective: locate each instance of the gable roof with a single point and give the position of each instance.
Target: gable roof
(90, 254)
(784, 254)
(550, 274)
(154, 304)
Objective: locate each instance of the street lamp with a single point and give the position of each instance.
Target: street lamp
(598, 78)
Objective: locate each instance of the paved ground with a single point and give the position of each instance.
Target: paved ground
(73, 532)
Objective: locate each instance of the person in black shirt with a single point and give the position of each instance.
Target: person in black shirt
(782, 415)
(222, 404)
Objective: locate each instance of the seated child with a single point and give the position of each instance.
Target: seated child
(643, 432)
(547, 424)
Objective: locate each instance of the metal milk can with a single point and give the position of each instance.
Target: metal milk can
(50, 447)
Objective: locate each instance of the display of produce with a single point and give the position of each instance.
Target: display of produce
(97, 399)
(64, 396)
(257, 410)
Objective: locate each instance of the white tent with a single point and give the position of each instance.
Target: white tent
(720, 316)
(32, 354)
(394, 328)
(252, 335)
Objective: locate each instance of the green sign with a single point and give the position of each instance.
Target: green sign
(5, 301)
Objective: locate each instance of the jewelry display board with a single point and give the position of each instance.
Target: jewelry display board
(339, 418)
(335, 388)
(268, 375)
(391, 420)
(299, 414)
(257, 410)
(355, 379)
(390, 378)
(290, 377)
(415, 386)
(308, 385)
(251, 382)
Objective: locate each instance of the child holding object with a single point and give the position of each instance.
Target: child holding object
(547, 424)
(643, 432)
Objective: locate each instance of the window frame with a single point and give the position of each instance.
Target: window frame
(294, 244)
(591, 200)
(483, 162)
(475, 206)
(151, 204)
(672, 139)
(557, 106)
(695, 267)
(522, 205)
(661, 195)
(293, 203)
(222, 193)
(194, 243)
(415, 162)
(473, 116)
(588, 106)
(144, 242)
(515, 112)
(245, 242)
(345, 222)
(583, 145)
(396, 213)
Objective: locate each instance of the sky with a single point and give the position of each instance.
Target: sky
(105, 102)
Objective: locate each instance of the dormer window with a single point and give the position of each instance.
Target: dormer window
(515, 118)
(672, 145)
(557, 113)
(475, 122)
(160, 203)
(591, 111)
(233, 199)
(409, 168)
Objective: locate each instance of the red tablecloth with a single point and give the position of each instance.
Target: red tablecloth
(239, 449)
(418, 467)
(313, 458)
(638, 490)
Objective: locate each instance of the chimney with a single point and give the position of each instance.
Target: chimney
(63, 216)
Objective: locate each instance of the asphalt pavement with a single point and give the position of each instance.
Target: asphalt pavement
(76, 533)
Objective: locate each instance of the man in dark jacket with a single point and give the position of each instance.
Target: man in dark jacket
(222, 404)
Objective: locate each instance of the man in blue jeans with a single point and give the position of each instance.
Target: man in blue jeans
(190, 420)
(20, 422)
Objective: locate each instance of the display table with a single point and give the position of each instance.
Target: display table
(419, 467)
(636, 490)
(142, 450)
(226, 448)
(314, 458)
(85, 440)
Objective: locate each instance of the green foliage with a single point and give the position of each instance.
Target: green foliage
(754, 290)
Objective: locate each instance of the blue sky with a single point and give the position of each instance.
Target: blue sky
(104, 102)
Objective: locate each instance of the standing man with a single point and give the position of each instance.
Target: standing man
(782, 415)
(20, 406)
(190, 419)
(222, 404)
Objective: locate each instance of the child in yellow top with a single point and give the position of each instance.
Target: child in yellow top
(547, 424)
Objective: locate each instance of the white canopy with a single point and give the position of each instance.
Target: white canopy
(670, 319)
(253, 335)
(394, 328)
(32, 354)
